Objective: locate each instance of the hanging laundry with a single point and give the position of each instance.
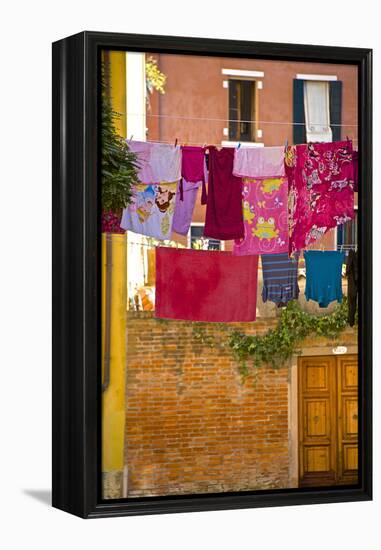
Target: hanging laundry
(193, 168)
(355, 171)
(188, 189)
(224, 219)
(184, 207)
(264, 204)
(352, 275)
(151, 211)
(157, 161)
(280, 278)
(323, 276)
(321, 196)
(259, 162)
(201, 285)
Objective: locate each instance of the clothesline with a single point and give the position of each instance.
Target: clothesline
(158, 211)
(287, 123)
(198, 144)
(344, 247)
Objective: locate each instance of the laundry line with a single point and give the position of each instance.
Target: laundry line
(206, 144)
(343, 247)
(287, 123)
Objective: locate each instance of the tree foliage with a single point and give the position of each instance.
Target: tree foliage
(119, 165)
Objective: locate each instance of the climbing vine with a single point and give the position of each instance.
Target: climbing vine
(278, 344)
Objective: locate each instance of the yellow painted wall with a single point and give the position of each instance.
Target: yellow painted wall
(113, 402)
(113, 398)
(118, 89)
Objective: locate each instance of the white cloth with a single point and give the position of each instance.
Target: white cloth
(158, 161)
(259, 162)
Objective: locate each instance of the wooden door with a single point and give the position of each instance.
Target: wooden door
(327, 420)
(347, 371)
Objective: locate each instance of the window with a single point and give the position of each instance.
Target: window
(316, 110)
(347, 234)
(317, 101)
(197, 240)
(241, 110)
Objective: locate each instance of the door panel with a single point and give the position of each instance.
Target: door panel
(328, 425)
(348, 420)
(317, 444)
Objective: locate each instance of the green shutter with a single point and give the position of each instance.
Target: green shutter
(299, 128)
(335, 99)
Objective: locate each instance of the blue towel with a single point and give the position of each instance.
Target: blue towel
(323, 272)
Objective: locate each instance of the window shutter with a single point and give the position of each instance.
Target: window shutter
(335, 98)
(299, 129)
(233, 109)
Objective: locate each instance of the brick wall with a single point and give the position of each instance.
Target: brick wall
(191, 425)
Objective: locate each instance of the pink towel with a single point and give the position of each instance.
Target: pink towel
(193, 168)
(201, 285)
(259, 162)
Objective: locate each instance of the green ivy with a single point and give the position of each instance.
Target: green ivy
(279, 344)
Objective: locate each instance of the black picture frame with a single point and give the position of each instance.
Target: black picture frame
(76, 274)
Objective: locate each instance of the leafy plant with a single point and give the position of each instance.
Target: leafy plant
(119, 165)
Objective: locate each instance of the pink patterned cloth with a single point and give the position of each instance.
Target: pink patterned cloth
(264, 205)
(321, 196)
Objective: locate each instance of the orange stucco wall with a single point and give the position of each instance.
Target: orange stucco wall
(194, 108)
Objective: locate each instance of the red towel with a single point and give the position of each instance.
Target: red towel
(224, 217)
(200, 285)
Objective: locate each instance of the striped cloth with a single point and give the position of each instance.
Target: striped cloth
(280, 278)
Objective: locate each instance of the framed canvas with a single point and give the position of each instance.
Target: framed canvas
(212, 274)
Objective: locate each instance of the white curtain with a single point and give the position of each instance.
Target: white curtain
(316, 109)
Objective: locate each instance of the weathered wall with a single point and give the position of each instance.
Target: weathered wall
(192, 426)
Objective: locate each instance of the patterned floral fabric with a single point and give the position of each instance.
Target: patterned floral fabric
(321, 196)
(264, 205)
(151, 210)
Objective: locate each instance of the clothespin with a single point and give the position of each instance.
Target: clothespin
(132, 135)
(286, 144)
(239, 145)
(175, 142)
